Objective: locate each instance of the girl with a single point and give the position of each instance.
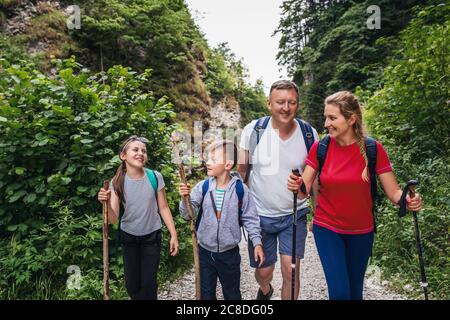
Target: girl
(343, 224)
(140, 226)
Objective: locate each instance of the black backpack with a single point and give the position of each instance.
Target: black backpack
(260, 127)
(371, 151)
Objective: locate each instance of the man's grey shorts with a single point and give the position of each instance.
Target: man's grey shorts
(279, 230)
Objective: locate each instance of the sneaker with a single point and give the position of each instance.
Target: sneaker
(261, 296)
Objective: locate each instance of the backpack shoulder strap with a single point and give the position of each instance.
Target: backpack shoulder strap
(322, 150)
(151, 175)
(205, 188)
(257, 132)
(371, 150)
(308, 134)
(240, 195)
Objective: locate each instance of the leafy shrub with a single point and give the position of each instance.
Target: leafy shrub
(410, 116)
(59, 137)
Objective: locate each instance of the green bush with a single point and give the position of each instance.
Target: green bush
(410, 116)
(252, 102)
(59, 137)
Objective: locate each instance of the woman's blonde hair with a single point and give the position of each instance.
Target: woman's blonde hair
(349, 105)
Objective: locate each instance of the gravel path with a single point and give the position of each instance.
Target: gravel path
(312, 281)
(225, 114)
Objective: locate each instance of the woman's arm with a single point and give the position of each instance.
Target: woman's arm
(294, 182)
(315, 195)
(164, 211)
(394, 192)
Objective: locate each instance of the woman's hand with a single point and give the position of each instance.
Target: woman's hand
(184, 189)
(294, 182)
(415, 203)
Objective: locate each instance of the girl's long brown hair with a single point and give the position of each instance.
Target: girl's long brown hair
(119, 178)
(348, 105)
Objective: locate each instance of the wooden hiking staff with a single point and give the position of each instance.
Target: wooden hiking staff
(105, 245)
(187, 202)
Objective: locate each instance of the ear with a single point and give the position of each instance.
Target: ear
(268, 105)
(122, 156)
(352, 120)
(228, 165)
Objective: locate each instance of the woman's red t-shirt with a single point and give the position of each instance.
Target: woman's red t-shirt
(344, 201)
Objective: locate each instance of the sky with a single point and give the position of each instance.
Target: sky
(247, 26)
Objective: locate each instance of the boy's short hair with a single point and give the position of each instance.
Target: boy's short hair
(229, 148)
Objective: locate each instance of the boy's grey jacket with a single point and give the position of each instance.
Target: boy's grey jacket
(223, 235)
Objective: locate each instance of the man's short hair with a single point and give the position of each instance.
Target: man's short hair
(284, 85)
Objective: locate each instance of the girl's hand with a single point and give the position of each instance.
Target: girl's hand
(414, 204)
(184, 189)
(294, 182)
(173, 246)
(259, 255)
(103, 195)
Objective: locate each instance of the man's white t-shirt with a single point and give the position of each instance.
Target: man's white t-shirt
(273, 162)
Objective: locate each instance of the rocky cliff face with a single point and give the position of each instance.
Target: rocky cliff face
(41, 28)
(39, 25)
(225, 114)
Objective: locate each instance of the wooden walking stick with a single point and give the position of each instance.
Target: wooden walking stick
(105, 246)
(187, 202)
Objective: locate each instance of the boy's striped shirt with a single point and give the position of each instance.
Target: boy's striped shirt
(220, 193)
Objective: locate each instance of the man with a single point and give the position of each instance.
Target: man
(273, 147)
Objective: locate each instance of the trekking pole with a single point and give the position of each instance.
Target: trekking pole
(105, 245)
(294, 238)
(187, 202)
(410, 187)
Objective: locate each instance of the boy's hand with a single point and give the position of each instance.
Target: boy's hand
(103, 195)
(184, 189)
(259, 255)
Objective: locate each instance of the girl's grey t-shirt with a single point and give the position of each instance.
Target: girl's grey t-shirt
(141, 215)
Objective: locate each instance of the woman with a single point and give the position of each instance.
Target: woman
(343, 223)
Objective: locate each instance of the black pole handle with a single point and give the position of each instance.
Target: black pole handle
(302, 187)
(410, 187)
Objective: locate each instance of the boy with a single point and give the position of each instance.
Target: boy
(220, 214)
